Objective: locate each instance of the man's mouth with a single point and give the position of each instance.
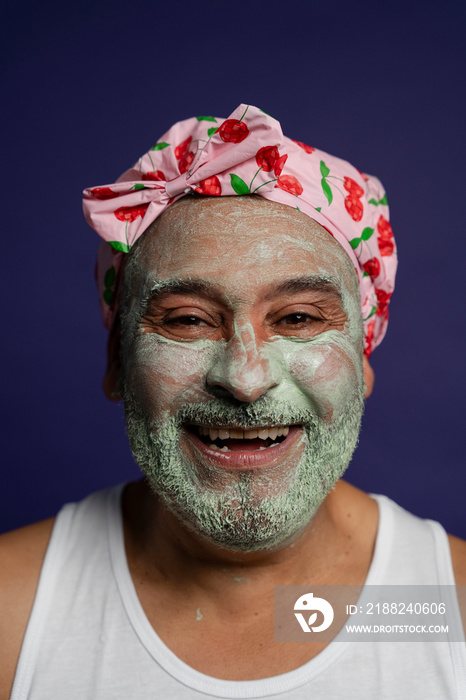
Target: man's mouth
(240, 439)
(240, 447)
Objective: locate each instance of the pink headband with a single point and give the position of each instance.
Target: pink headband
(248, 154)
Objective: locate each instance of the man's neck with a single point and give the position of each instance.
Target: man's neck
(201, 600)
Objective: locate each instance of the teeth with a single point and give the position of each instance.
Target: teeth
(250, 434)
(237, 434)
(219, 449)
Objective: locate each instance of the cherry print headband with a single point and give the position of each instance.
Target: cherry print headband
(248, 154)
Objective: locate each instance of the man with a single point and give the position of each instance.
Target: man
(240, 331)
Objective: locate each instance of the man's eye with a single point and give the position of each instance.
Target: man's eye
(297, 319)
(185, 321)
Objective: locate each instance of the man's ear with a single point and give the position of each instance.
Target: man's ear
(369, 377)
(111, 380)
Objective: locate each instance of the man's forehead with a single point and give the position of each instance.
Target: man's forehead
(219, 212)
(210, 225)
(247, 245)
(240, 251)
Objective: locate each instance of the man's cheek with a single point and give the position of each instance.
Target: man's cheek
(328, 375)
(165, 375)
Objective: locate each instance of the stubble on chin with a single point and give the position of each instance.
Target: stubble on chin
(248, 511)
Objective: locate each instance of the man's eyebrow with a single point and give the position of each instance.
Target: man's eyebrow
(304, 284)
(177, 285)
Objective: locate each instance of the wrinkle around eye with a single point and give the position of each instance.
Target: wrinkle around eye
(309, 327)
(182, 326)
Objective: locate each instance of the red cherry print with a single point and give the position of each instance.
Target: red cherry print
(182, 148)
(385, 237)
(233, 131)
(154, 175)
(304, 146)
(383, 298)
(278, 167)
(185, 162)
(266, 157)
(372, 267)
(290, 184)
(183, 155)
(103, 193)
(353, 188)
(130, 213)
(368, 339)
(354, 207)
(210, 186)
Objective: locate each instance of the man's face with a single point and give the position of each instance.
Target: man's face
(242, 367)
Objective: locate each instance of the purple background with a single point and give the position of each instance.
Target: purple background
(90, 86)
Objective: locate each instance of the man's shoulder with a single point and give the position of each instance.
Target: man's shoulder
(458, 557)
(362, 506)
(22, 553)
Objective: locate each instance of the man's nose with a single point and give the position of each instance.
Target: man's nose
(242, 368)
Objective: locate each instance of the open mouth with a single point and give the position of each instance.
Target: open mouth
(240, 439)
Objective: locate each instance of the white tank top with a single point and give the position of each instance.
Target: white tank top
(88, 636)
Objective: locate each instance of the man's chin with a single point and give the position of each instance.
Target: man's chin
(240, 528)
(244, 510)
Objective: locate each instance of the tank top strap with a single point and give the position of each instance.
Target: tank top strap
(75, 522)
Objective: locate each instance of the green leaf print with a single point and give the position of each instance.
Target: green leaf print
(109, 278)
(159, 146)
(108, 296)
(122, 247)
(238, 184)
(354, 243)
(211, 131)
(139, 187)
(380, 201)
(206, 119)
(324, 171)
(327, 190)
(367, 233)
(374, 309)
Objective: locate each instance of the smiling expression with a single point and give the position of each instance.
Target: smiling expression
(242, 366)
